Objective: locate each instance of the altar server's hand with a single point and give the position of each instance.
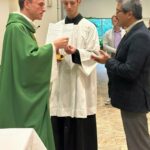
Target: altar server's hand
(102, 58)
(70, 49)
(61, 43)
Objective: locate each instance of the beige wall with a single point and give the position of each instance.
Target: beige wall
(106, 8)
(13, 5)
(98, 8)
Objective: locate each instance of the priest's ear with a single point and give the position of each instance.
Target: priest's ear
(27, 4)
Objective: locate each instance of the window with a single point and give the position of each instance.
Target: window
(102, 25)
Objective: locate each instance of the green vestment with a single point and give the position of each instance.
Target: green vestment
(25, 80)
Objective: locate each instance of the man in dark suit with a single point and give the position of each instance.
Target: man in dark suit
(130, 74)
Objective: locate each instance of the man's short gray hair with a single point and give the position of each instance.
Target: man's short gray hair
(132, 5)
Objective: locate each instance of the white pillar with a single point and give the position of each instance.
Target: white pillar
(4, 11)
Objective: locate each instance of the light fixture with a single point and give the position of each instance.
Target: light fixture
(49, 3)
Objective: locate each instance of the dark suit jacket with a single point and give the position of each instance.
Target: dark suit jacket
(129, 71)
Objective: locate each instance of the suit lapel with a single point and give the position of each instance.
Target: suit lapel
(120, 44)
(127, 35)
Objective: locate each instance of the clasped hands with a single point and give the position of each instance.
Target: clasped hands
(63, 43)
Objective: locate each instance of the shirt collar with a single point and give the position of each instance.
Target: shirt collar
(75, 20)
(117, 31)
(27, 18)
(132, 25)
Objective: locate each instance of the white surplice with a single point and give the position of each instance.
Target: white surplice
(74, 91)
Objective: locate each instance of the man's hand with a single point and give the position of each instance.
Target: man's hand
(61, 43)
(70, 49)
(102, 58)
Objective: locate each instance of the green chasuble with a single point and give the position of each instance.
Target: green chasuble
(25, 80)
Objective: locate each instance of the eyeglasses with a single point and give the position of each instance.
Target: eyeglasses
(118, 11)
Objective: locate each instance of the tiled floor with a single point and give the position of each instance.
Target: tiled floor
(110, 130)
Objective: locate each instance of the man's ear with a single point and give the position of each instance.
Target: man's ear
(130, 14)
(27, 4)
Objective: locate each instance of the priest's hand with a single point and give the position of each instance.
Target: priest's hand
(102, 58)
(61, 43)
(70, 49)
